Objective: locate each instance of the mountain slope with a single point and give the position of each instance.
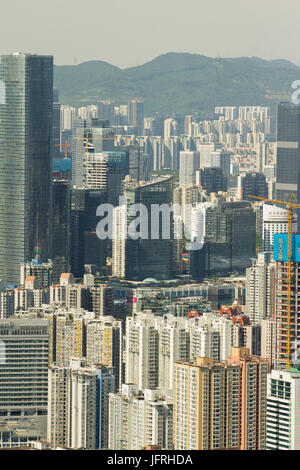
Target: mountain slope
(179, 82)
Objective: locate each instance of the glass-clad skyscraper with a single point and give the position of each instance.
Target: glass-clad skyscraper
(288, 151)
(150, 255)
(26, 107)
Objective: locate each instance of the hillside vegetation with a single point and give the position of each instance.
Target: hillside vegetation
(180, 82)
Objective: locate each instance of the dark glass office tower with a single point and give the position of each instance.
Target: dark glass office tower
(57, 150)
(288, 151)
(134, 158)
(158, 126)
(77, 231)
(106, 111)
(230, 241)
(86, 247)
(26, 146)
(232, 237)
(136, 115)
(61, 228)
(152, 257)
(95, 250)
(212, 180)
(117, 169)
(253, 184)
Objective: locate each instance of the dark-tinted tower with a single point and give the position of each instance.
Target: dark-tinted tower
(26, 146)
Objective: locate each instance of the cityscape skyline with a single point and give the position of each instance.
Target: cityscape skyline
(149, 261)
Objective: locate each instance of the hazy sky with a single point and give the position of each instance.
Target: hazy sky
(130, 32)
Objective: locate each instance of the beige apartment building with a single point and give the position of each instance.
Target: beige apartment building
(221, 405)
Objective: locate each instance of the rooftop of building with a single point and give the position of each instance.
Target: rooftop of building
(144, 184)
(65, 275)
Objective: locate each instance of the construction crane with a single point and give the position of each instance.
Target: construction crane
(66, 145)
(290, 205)
(87, 139)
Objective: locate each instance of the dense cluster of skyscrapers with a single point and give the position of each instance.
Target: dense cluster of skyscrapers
(144, 342)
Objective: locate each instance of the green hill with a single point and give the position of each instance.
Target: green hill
(180, 82)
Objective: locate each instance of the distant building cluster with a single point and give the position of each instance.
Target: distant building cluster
(116, 332)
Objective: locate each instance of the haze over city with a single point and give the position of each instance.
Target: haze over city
(127, 33)
(150, 228)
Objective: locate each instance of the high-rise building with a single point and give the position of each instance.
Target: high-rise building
(102, 300)
(56, 124)
(106, 171)
(260, 288)
(206, 405)
(171, 153)
(74, 406)
(140, 418)
(75, 295)
(270, 171)
(95, 171)
(221, 405)
(56, 412)
(188, 124)
(106, 385)
(142, 339)
(229, 112)
(153, 343)
(146, 256)
(247, 336)
(89, 136)
(86, 247)
(7, 304)
(134, 160)
(61, 228)
(281, 258)
(117, 170)
(157, 153)
(106, 111)
(268, 340)
(30, 295)
(283, 410)
(212, 155)
(288, 151)
(170, 128)
(188, 164)
(104, 345)
(274, 220)
(261, 150)
(42, 271)
(212, 180)
(205, 149)
(252, 184)
(230, 240)
(146, 165)
(67, 335)
(187, 195)
(67, 114)
(221, 159)
(77, 238)
(253, 398)
(23, 372)
(75, 332)
(136, 115)
(158, 126)
(26, 146)
(77, 149)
